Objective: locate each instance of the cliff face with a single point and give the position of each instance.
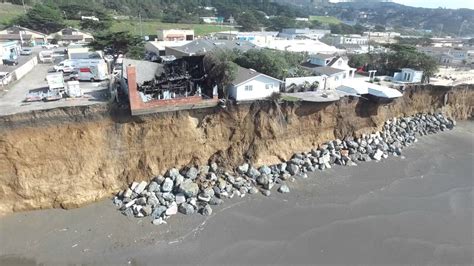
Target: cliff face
(69, 157)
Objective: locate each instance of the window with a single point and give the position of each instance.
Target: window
(344, 76)
(248, 87)
(268, 86)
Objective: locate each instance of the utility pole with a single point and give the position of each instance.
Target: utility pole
(441, 30)
(140, 19)
(460, 28)
(24, 7)
(368, 42)
(21, 37)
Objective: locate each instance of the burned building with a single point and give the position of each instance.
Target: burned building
(177, 79)
(176, 85)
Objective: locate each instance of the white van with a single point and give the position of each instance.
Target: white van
(65, 66)
(46, 56)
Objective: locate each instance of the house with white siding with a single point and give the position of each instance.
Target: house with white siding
(251, 85)
(22, 35)
(334, 67)
(408, 75)
(71, 35)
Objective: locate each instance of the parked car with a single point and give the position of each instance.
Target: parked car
(5, 78)
(71, 76)
(10, 62)
(64, 66)
(49, 46)
(26, 51)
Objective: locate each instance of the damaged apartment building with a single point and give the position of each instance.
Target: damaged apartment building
(153, 87)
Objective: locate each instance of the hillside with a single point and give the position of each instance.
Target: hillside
(9, 11)
(438, 20)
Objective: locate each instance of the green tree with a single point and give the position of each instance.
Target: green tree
(359, 60)
(280, 22)
(95, 26)
(248, 22)
(221, 70)
(265, 61)
(43, 18)
(116, 43)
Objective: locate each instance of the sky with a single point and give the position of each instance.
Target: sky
(438, 3)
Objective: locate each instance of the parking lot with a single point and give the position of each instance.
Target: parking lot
(13, 99)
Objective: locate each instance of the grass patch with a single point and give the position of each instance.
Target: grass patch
(325, 19)
(149, 27)
(289, 98)
(8, 12)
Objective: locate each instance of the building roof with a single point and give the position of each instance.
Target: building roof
(203, 46)
(15, 36)
(324, 56)
(86, 55)
(160, 45)
(244, 74)
(309, 46)
(334, 60)
(72, 37)
(146, 70)
(60, 32)
(24, 29)
(328, 71)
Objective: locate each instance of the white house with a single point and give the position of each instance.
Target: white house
(251, 85)
(71, 35)
(408, 75)
(334, 67)
(22, 35)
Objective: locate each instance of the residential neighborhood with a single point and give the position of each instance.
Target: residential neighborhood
(327, 63)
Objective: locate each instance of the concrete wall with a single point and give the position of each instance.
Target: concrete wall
(25, 68)
(259, 91)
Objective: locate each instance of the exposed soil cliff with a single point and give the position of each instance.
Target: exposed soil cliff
(69, 157)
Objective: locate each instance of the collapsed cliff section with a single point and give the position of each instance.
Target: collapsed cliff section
(67, 157)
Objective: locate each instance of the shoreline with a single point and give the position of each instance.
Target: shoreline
(426, 208)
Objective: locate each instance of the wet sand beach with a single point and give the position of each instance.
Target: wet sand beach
(412, 210)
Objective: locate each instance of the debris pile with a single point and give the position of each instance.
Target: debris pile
(197, 189)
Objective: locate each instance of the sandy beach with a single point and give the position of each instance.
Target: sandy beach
(412, 210)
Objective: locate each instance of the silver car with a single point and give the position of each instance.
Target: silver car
(5, 78)
(26, 51)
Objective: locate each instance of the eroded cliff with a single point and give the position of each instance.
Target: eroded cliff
(72, 156)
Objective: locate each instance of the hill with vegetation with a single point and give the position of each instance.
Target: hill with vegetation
(439, 21)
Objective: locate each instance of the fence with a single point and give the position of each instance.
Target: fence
(301, 80)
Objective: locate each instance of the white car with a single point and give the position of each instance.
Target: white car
(5, 78)
(26, 51)
(49, 46)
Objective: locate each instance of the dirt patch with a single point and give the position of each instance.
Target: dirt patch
(67, 157)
